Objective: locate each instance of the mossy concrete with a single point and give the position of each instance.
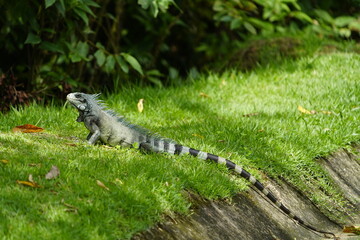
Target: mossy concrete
(344, 168)
(250, 216)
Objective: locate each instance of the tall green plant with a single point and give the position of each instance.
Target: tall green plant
(254, 16)
(341, 26)
(57, 44)
(54, 45)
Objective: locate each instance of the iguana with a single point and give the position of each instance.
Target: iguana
(111, 129)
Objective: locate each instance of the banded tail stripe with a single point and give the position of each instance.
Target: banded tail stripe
(202, 155)
(178, 149)
(171, 148)
(166, 146)
(193, 152)
(156, 143)
(161, 146)
(221, 160)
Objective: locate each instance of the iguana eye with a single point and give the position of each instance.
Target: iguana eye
(78, 95)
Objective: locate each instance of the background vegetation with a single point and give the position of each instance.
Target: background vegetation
(52, 47)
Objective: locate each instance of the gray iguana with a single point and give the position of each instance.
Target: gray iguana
(109, 128)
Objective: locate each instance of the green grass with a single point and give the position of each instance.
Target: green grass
(278, 140)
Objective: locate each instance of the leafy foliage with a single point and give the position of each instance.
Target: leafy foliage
(341, 26)
(56, 46)
(156, 5)
(267, 16)
(59, 42)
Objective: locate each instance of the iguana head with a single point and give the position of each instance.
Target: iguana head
(79, 100)
(84, 103)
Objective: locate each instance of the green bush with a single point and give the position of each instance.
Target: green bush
(55, 46)
(59, 44)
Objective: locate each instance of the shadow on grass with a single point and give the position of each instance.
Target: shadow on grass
(73, 203)
(254, 144)
(240, 135)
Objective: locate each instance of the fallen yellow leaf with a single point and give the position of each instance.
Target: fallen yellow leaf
(140, 105)
(34, 164)
(303, 110)
(71, 144)
(100, 184)
(118, 181)
(29, 184)
(326, 112)
(67, 205)
(4, 161)
(251, 114)
(204, 95)
(197, 135)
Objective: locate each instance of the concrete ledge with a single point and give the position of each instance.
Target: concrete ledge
(250, 216)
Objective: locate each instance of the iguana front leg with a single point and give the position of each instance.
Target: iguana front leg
(94, 134)
(89, 136)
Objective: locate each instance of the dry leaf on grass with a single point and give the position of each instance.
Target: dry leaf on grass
(53, 173)
(27, 128)
(204, 95)
(118, 181)
(71, 144)
(251, 114)
(29, 184)
(31, 179)
(34, 164)
(326, 112)
(100, 184)
(67, 205)
(303, 110)
(140, 105)
(197, 135)
(70, 208)
(4, 161)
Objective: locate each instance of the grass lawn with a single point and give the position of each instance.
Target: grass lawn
(251, 118)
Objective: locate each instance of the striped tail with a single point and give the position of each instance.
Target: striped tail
(162, 145)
